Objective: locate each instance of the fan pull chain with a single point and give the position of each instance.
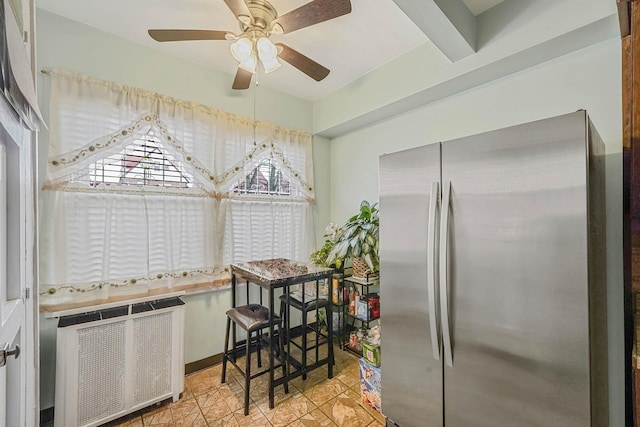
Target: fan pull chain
(254, 111)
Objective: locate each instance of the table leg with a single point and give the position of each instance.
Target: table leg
(271, 379)
(233, 305)
(329, 315)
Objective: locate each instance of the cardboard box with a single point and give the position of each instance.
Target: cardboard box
(370, 379)
(362, 309)
(371, 353)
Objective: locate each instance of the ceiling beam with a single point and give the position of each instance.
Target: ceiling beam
(449, 24)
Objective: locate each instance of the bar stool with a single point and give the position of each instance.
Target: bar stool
(252, 318)
(311, 305)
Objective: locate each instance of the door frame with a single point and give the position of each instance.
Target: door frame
(29, 351)
(629, 16)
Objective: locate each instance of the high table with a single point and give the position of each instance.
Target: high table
(281, 273)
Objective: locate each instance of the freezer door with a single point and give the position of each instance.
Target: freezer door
(518, 276)
(411, 375)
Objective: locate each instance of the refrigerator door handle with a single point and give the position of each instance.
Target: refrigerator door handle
(444, 296)
(431, 270)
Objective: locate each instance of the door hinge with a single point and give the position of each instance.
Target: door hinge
(27, 293)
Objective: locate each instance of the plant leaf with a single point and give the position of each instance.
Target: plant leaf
(367, 260)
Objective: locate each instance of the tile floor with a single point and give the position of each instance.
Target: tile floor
(317, 401)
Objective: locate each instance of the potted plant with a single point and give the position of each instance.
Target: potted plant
(358, 240)
(319, 257)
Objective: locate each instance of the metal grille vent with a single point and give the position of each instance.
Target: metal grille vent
(101, 373)
(153, 344)
(114, 361)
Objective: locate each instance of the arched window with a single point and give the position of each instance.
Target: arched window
(144, 162)
(266, 178)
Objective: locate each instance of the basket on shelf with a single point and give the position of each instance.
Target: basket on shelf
(360, 268)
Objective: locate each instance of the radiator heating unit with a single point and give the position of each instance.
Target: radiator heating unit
(117, 360)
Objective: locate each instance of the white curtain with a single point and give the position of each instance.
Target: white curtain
(101, 241)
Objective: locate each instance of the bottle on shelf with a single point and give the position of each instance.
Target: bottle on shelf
(335, 297)
(353, 296)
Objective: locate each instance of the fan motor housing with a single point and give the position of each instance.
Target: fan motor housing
(263, 14)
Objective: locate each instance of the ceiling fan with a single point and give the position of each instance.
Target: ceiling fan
(258, 20)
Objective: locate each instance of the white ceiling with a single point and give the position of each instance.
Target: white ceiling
(478, 6)
(374, 33)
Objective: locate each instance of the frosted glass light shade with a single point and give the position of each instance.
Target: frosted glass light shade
(250, 63)
(270, 66)
(242, 49)
(268, 54)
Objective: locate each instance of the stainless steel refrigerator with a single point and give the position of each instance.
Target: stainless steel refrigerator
(493, 279)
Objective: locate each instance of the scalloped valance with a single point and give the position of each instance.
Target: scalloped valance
(103, 240)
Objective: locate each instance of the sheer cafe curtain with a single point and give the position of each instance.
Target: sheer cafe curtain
(240, 191)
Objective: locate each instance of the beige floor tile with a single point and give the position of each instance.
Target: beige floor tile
(161, 417)
(316, 401)
(313, 378)
(325, 390)
(349, 375)
(281, 415)
(191, 420)
(233, 395)
(216, 410)
(238, 419)
(200, 382)
(279, 397)
(299, 404)
(132, 422)
(315, 418)
(345, 411)
(357, 397)
(295, 403)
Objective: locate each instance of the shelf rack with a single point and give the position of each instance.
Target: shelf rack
(346, 320)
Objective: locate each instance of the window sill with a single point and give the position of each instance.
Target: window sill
(57, 310)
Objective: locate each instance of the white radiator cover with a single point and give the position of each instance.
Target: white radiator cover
(108, 368)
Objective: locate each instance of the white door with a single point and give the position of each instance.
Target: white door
(18, 369)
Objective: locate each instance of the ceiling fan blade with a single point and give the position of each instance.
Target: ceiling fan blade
(239, 8)
(303, 63)
(312, 13)
(242, 80)
(181, 35)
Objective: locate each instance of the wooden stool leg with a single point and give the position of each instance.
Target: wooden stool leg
(247, 375)
(226, 350)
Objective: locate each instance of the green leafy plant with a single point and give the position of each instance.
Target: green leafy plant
(320, 256)
(358, 237)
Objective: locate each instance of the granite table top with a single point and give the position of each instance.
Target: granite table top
(279, 271)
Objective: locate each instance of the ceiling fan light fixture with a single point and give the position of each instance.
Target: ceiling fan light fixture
(267, 51)
(242, 49)
(249, 64)
(271, 65)
(268, 54)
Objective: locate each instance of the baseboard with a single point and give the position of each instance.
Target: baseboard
(216, 359)
(198, 365)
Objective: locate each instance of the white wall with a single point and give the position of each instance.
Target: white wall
(586, 79)
(67, 44)
(346, 170)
